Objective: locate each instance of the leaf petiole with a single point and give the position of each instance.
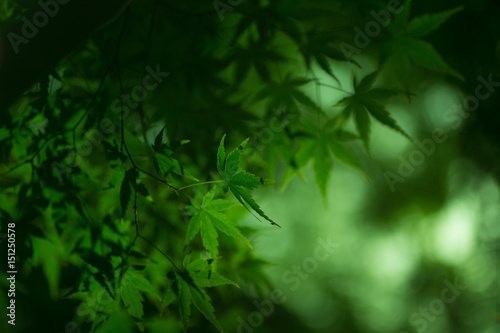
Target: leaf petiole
(202, 183)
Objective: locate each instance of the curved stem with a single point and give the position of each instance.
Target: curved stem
(202, 183)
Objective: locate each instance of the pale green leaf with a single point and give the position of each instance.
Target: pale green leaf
(169, 298)
(247, 180)
(202, 303)
(168, 164)
(209, 235)
(221, 222)
(184, 301)
(208, 197)
(221, 155)
(244, 197)
(384, 117)
(141, 283)
(345, 155)
(132, 299)
(233, 160)
(213, 279)
(202, 275)
(221, 204)
(194, 227)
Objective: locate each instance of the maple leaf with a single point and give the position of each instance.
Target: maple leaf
(286, 95)
(256, 54)
(405, 46)
(320, 47)
(239, 182)
(366, 101)
(207, 219)
(196, 275)
(202, 274)
(133, 284)
(320, 144)
(190, 293)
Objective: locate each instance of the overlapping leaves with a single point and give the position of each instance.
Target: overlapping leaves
(188, 285)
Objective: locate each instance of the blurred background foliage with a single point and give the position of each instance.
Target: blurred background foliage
(272, 71)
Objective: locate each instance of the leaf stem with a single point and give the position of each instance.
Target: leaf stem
(202, 183)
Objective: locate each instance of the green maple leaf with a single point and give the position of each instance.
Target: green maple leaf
(320, 144)
(208, 220)
(131, 288)
(201, 272)
(405, 46)
(190, 293)
(256, 54)
(184, 301)
(320, 47)
(366, 102)
(132, 299)
(286, 95)
(239, 182)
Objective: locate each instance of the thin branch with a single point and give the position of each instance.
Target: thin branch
(136, 168)
(203, 183)
(159, 250)
(157, 178)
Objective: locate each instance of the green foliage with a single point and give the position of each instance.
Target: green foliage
(320, 144)
(239, 182)
(366, 101)
(405, 46)
(208, 217)
(287, 95)
(109, 182)
(190, 283)
(132, 284)
(321, 48)
(165, 160)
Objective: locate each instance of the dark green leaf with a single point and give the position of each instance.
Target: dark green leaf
(221, 155)
(244, 197)
(427, 23)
